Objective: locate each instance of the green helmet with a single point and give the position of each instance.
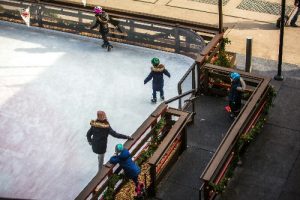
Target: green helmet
(119, 148)
(155, 61)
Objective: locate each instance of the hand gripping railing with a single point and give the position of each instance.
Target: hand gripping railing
(99, 183)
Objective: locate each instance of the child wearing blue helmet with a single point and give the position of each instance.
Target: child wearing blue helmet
(122, 156)
(131, 170)
(237, 87)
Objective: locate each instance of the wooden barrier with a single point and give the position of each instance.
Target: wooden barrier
(99, 183)
(227, 154)
(169, 150)
(167, 34)
(173, 138)
(150, 31)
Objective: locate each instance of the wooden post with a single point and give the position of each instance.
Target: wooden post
(177, 39)
(220, 16)
(40, 14)
(152, 185)
(206, 79)
(206, 190)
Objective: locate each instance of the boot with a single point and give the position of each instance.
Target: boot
(153, 100)
(140, 191)
(294, 25)
(104, 45)
(162, 98)
(109, 47)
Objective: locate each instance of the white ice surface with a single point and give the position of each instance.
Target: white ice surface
(51, 85)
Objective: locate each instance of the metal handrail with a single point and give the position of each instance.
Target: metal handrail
(180, 96)
(199, 62)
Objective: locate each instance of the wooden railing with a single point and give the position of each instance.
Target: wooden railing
(205, 55)
(99, 183)
(167, 34)
(172, 145)
(215, 80)
(170, 149)
(196, 40)
(229, 148)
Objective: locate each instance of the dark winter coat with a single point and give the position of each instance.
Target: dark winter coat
(102, 20)
(234, 94)
(157, 73)
(124, 159)
(297, 2)
(98, 133)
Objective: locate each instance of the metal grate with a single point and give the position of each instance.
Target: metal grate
(213, 2)
(263, 7)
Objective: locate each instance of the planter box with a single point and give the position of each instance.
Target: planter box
(231, 57)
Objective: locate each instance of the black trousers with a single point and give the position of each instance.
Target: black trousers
(104, 33)
(235, 106)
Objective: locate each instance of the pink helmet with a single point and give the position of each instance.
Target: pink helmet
(97, 10)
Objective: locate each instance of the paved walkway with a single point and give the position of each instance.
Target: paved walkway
(254, 18)
(270, 169)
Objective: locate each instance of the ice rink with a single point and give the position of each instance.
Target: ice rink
(51, 85)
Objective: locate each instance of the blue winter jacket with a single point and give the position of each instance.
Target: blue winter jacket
(124, 159)
(234, 94)
(157, 74)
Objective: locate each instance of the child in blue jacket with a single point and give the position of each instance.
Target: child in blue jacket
(157, 72)
(123, 157)
(237, 87)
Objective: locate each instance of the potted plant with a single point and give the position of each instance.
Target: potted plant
(224, 58)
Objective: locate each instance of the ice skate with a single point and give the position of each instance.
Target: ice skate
(232, 115)
(140, 191)
(104, 45)
(153, 100)
(162, 98)
(109, 47)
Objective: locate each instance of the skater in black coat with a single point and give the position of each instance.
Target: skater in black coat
(102, 19)
(295, 17)
(157, 72)
(98, 133)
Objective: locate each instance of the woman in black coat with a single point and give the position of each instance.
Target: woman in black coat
(98, 133)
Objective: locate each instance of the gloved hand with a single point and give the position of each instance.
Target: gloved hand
(130, 138)
(144, 82)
